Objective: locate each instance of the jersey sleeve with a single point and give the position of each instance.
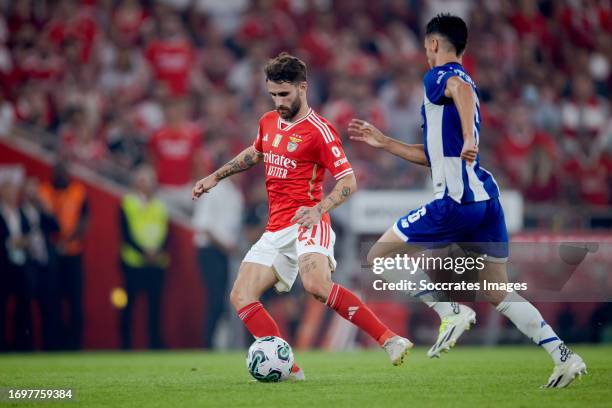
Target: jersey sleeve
(331, 153)
(435, 84)
(258, 139)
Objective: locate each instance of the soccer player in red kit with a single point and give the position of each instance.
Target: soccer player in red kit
(297, 146)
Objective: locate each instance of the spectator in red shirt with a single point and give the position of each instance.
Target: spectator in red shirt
(528, 20)
(40, 62)
(542, 184)
(518, 149)
(129, 18)
(171, 56)
(80, 143)
(584, 112)
(174, 149)
(587, 170)
(33, 106)
(74, 22)
(319, 43)
(359, 102)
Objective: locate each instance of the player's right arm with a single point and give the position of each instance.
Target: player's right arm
(363, 131)
(463, 96)
(246, 159)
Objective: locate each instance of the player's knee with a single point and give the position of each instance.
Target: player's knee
(317, 286)
(239, 297)
(495, 297)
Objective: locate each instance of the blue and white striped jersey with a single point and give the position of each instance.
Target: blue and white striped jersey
(443, 140)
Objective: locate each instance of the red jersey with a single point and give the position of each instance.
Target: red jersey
(296, 156)
(171, 62)
(174, 149)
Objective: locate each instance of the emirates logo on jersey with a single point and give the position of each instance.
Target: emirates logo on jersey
(280, 160)
(278, 164)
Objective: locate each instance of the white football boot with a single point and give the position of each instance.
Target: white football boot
(297, 374)
(564, 373)
(397, 347)
(451, 329)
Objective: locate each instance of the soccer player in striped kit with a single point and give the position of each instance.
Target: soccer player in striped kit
(466, 207)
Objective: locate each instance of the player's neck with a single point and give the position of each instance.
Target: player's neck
(301, 113)
(446, 59)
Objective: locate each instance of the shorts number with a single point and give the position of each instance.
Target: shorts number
(303, 230)
(416, 215)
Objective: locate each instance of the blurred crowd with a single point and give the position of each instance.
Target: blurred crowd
(179, 84)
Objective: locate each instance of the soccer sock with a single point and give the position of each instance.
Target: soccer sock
(429, 297)
(346, 304)
(529, 321)
(259, 322)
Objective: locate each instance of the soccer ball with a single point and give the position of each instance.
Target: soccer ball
(270, 359)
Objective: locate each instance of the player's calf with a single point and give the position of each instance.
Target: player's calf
(494, 297)
(315, 278)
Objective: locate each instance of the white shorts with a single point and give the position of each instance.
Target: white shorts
(281, 249)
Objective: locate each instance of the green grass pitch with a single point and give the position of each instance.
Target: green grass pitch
(467, 376)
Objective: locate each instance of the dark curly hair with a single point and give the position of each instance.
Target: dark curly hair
(285, 68)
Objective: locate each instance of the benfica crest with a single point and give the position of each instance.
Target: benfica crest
(292, 146)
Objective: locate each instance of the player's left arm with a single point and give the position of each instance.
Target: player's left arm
(463, 96)
(309, 216)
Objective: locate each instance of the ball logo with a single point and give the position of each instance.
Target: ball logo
(257, 358)
(292, 147)
(283, 352)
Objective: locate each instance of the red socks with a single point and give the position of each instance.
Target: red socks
(349, 306)
(343, 301)
(261, 324)
(258, 320)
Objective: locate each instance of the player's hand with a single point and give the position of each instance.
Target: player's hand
(203, 186)
(363, 131)
(469, 151)
(307, 216)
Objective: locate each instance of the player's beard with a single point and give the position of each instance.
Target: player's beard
(288, 113)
